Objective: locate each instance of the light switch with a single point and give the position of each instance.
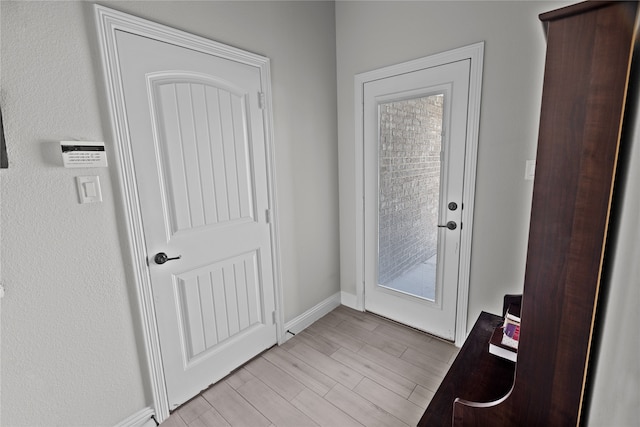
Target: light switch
(89, 189)
(530, 170)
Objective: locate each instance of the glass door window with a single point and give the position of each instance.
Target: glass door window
(409, 176)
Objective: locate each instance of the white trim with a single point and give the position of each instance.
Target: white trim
(349, 300)
(307, 318)
(109, 21)
(141, 418)
(475, 53)
(274, 218)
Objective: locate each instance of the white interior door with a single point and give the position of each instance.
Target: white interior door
(415, 129)
(196, 132)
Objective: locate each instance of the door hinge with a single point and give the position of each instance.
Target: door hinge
(267, 216)
(261, 100)
(273, 316)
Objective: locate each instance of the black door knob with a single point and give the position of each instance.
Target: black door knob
(451, 225)
(161, 258)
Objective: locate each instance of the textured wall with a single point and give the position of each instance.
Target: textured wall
(69, 355)
(69, 338)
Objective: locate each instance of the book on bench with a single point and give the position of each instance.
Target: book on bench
(504, 340)
(499, 349)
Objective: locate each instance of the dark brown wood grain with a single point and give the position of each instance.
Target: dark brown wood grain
(475, 374)
(586, 72)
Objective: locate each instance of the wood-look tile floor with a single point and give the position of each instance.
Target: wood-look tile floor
(347, 369)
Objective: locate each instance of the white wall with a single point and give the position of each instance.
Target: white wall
(68, 343)
(69, 328)
(371, 35)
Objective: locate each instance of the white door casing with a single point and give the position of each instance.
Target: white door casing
(221, 229)
(474, 53)
(451, 81)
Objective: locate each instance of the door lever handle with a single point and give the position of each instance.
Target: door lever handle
(451, 225)
(161, 258)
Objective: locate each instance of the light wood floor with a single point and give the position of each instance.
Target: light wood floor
(347, 369)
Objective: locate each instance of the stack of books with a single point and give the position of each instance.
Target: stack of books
(505, 338)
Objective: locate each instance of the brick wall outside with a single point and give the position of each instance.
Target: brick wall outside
(409, 183)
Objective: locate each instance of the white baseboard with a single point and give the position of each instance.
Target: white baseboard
(301, 322)
(349, 300)
(141, 418)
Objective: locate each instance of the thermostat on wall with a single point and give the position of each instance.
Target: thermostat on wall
(83, 154)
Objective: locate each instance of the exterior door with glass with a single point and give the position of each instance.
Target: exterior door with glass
(415, 129)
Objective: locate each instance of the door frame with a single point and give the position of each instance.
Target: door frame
(108, 21)
(475, 53)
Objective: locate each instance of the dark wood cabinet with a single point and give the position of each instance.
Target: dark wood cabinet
(589, 53)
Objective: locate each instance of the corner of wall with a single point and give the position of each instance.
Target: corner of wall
(301, 322)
